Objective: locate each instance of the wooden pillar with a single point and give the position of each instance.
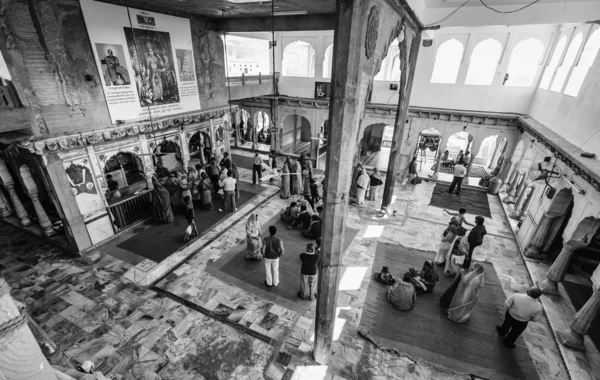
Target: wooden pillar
(581, 237)
(573, 337)
(5, 209)
(9, 185)
(558, 207)
(408, 65)
(275, 132)
(33, 191)
(358, 51)
(20, 356)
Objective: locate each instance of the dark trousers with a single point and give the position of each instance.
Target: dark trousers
(511, 329)
(467, 263)
(456, 182)
(230, 201)
(215, 182)
(256, 169)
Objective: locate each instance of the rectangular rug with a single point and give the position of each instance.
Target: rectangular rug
(426, 332)
(476, 171)
(579, 295)
(250, 274)
(162, 240)
(475, 201)
(243, 161)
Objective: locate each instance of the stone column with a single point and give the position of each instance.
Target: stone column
(505, 170)
(512, 174)
(523, 201)
(5, 208)
(438, 163)
(494, 157)
(275, 131)
(33, 191)
(20, 356)
(315, 144)
(573, 337)
(512, 190)
(363, 29)
(558, 207)
(475, 146)
(582, 236)
(521, 186)
(10, 187)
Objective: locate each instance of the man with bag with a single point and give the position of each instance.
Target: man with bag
(272, 250)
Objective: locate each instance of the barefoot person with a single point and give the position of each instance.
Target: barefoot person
(308, 273)
(272, 250)
(520, 309)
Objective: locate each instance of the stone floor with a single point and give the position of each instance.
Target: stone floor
(176, 330)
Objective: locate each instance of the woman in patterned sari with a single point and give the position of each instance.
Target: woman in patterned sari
(466, 295)
(161, 203)
(285, 182)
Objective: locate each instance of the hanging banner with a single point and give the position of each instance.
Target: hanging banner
(145, 61)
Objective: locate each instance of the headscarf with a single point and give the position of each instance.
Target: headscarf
(429, 273)
(252, 226)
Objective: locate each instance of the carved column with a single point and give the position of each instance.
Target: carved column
(495, 155)
(512, 175)
(558, 207)
(20, 356)
(582, 236)
(10, 187)
(504, 172)
(573, 337)
(5, 208)
(33, 191)
(521, 187)
(476, 145)
(440, 153)
(523, 201)
(512, 190)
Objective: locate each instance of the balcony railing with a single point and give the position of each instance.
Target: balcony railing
(132, 210)
(246, 80)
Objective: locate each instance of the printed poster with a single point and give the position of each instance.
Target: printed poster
(145, 61)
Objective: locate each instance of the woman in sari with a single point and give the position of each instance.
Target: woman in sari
(296, 178)
(161, 203)
(237, 180)
(306, 181)
(460, 248)
(466, 295)
(172, 186)
(446, 244)
(206, 192)
(285, 182)
(376, 183)
(429, 275)
(362, 186)
(184, 188)
(193, 181)
(357, 172)
(253, 243)
(290, 213)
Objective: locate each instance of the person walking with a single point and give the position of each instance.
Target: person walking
(229, 184)
(412, 173)
(520, 309)
(308, 273)
(272, 250)
(191, 230)
(256, 167)
(272, 163)
(459, 174)
(475, 239)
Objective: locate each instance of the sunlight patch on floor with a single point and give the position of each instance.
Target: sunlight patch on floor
(338, 327)
(310, 372)
(352, 278)
(374, 231)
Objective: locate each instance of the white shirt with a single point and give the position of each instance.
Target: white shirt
(524, 308)
(459, 171)
(229, 184)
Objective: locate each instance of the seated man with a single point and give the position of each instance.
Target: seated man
(290, 214)
(303, 220)
(385, 277)
(314, 231)
(402, 294)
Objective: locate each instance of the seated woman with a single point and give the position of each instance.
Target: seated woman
(416, 280)
(385, 277)
(290, 213)
(429, 275)
(314, 231)
(402, 294)
(458, 254)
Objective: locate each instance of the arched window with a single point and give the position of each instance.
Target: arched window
(551, 68)
(298, 60)
(484, 61)
(395, 69)
(447, 62)
(328, 62)
(563, 70)
(524, 62)
(590, 51)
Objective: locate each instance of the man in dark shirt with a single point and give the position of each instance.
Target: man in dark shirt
(161, 171)
(314, 231)
(112, 184)
(225, 162)
(273, 162)
(475, 239)
(308, 273)
(303, 220)
(272, 250)
(213, 171)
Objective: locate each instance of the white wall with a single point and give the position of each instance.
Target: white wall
(574, 118)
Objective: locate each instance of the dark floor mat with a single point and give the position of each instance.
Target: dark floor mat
(425, 332)
(475, 201)
(250, 274)
(579, 295)
(243, 161)
(476, 171)
(161, 240)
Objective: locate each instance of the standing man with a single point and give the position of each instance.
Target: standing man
(475, 239)
(521, 308)
(225, 162)
(308, 273)
(459, 174)
(273, 163)
(213, 173)
(229, 184)
(256, 167)
(272, 250)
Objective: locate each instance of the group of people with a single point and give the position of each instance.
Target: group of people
(271, 248)
(179, 190)
(364, 185)
(301, 215)
(297, 179)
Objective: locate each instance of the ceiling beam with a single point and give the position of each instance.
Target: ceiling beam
(282, 23)
(404, 9)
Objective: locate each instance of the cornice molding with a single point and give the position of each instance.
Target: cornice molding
(42, 146)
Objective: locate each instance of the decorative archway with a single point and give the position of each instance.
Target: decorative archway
(292, 127)
(486, 151)
(200, 146)
(262, 123)
(126, 169)
(457, 145)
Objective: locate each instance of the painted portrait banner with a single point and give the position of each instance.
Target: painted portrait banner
(145, 61)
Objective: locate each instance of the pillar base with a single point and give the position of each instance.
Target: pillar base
(571, 339)
(548, 286)
(516, 214)
(49, 232)
(533, 253)
(25, 222)
(509, 200)
(6, 213)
